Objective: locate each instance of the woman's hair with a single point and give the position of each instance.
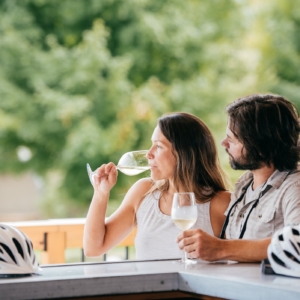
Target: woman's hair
(268, 127)
(197, 165)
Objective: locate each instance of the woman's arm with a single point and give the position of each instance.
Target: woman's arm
(102, 234)
(218, 206)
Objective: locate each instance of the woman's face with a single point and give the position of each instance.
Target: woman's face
(160, 156)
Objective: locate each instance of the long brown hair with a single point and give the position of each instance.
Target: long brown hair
(197, 164)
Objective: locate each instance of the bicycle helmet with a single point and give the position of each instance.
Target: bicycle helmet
(16, 252)
(284, 251)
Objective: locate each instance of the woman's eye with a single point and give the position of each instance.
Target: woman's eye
(157, 146)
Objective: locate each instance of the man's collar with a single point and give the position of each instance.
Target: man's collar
(244, 180)
(275, 180)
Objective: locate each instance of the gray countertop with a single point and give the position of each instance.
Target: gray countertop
(226, 280)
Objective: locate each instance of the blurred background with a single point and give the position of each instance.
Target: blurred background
(85, 81)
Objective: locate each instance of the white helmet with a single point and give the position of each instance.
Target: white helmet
(16, 252)
(284, 251)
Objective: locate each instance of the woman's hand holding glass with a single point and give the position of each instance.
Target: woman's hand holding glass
(184, 213)
(105, 177)
(131, 163)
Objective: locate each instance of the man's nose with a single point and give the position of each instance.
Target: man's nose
(224, 143)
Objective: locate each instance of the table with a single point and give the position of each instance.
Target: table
(166, 279)
(53, 236)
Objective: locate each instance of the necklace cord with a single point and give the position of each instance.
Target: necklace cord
(222, 235)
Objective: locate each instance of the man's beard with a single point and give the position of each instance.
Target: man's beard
(244, 163)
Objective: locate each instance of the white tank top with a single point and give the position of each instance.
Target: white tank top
(156, 232)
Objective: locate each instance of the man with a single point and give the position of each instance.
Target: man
(262, 136)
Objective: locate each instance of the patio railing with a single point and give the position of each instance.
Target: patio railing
(53, 236)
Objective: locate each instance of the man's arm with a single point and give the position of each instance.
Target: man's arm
(291, 205)
(199, 244)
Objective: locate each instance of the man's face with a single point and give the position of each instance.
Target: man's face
(238, 158)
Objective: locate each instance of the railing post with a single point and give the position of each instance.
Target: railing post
(127, 252)
(55, 244)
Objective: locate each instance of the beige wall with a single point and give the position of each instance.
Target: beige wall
(19, 198)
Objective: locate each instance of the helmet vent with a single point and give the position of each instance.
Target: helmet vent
(280, 237)
(291, 256)
(28, 248)
(279, 261)
(19, 247)
(295, 247)
(5, 248)
(295, 231)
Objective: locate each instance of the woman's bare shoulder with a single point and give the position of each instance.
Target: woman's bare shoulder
(140, 188)
(223, 196)
(221, 200)
(218, 206)
(143, 184)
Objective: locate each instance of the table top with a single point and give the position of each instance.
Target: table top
(222, 279)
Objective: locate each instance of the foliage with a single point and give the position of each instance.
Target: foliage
(85, 80)
(282, 54)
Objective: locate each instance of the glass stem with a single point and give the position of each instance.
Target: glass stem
(184, 256)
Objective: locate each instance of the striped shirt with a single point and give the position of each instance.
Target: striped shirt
(278, 206)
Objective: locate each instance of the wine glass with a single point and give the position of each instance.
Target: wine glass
(184, 213)
(131, 163)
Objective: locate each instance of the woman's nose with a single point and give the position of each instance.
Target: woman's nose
(149, 154)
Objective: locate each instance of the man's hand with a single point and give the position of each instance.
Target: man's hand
(199, 244)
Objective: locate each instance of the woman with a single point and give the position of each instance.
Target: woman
(182, 157)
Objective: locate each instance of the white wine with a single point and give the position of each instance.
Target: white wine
(184, 224)
(133, 170)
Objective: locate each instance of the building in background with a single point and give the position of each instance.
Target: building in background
(20, 198)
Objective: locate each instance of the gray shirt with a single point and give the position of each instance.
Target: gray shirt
(278, 206)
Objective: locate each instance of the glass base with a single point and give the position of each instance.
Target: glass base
(187, 261)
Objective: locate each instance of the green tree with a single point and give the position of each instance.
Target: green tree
(84, 81)
(281, 55)
(52, 103)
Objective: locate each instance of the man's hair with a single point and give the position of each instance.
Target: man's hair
(268, 127)
(197, 165)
